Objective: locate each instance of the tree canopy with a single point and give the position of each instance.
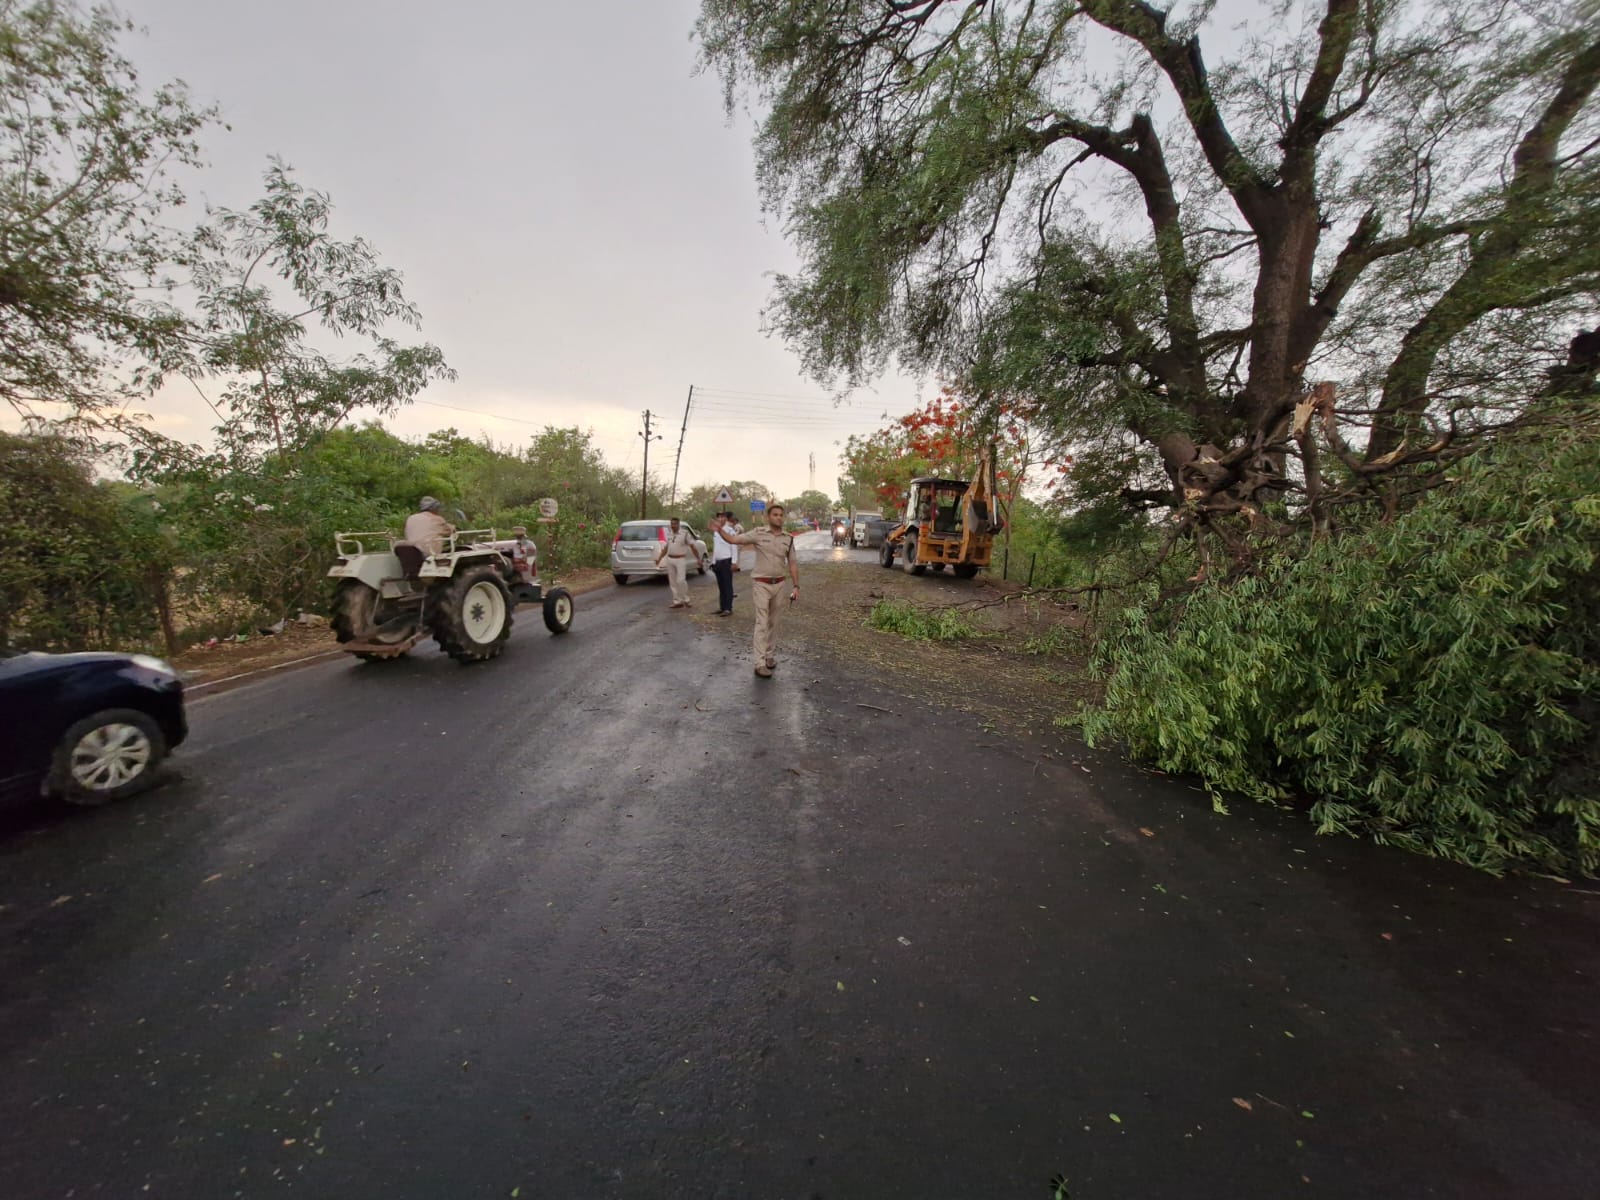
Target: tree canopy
(1162, 246)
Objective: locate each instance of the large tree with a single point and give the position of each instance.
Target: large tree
(85, 196)
(1162, 247)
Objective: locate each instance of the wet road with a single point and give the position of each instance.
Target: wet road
(610, 917)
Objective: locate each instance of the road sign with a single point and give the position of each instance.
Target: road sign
(758, 506)
(724, 497)
(547, 507)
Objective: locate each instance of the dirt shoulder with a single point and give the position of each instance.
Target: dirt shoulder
(1026, 665)
(205, 663)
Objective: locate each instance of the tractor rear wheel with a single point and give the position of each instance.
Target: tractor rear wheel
(470, 617)
(558, 610)
(912, 566)
(355, 618)
(355, 611)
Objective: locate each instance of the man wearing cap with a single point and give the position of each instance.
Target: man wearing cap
(426, 529)
(777, 565)
(676, 551)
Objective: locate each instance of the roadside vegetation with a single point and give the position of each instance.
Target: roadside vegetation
(1302, 320)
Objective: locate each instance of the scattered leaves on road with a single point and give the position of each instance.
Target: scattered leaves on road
(1244, 1104)
(1115, 1118)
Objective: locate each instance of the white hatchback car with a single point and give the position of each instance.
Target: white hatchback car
(633, 551)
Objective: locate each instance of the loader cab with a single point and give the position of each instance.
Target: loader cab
(935, 505)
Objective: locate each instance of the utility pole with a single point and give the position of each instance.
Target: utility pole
(682, 433)
(813, 471)
(644, 472)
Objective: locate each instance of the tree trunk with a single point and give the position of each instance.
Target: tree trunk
(163, 598)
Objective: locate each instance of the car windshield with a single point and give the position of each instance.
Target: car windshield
(640, 533)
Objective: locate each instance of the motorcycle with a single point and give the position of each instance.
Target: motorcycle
(841, 533)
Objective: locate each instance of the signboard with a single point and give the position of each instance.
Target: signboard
(547, 507)
(724, 497)
(758, 506)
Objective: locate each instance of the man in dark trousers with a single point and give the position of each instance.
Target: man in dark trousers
(723, 557)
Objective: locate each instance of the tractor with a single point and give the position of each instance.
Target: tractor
(947, 523)
(391, 594)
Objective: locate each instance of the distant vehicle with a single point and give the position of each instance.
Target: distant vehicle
(88, 728)
(633, 550)
(877, 529)
(841, 528)
(858, 527)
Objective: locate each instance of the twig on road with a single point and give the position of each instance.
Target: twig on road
(875, 708)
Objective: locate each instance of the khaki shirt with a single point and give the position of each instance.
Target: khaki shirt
(773, 551)
(427, 531)
(679, 544)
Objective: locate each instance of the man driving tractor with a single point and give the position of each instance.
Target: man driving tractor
(426, 529)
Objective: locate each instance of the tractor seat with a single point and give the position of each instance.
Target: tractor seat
(411, 558)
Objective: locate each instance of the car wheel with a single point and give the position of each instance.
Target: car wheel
(106, 757)
(622, 580)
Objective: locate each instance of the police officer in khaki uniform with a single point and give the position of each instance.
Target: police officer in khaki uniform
(776, 565)
(676, 550)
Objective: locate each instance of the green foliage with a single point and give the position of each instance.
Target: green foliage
(1433, 682)
(910, 620)
(266, 278)
(809, 505)
(84, 152)
(79, 562)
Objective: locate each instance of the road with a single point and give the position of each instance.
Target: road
(612, 917)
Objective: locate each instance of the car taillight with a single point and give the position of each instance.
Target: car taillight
(618, 538)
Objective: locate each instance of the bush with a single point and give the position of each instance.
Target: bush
(1431, 683)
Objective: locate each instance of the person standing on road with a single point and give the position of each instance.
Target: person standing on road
(724, 558)
(676, 550)
(776, 565)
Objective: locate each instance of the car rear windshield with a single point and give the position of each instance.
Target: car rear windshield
(640, 533)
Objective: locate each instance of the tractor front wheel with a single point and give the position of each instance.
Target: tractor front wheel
(886, 553)
(966, 570)
(558, 610)
(470, 617)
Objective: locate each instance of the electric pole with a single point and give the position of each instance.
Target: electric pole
(644, 473)
(813, 471)
(682, 433)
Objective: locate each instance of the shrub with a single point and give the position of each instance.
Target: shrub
(1431, 682)
(908, 620)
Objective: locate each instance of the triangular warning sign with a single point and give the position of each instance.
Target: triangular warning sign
(723, 497)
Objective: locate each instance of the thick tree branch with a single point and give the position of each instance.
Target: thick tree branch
(1185, 68)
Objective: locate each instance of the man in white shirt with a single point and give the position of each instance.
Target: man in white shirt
(724, 561)
(676, 551)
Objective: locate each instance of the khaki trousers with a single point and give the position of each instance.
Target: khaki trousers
(769, 599)
(678, 577)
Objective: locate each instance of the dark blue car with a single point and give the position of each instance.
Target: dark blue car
(86, 727)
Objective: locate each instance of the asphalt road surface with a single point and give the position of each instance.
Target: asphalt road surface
(611, 917)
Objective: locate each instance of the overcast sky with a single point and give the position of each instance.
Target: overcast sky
(568, 204)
